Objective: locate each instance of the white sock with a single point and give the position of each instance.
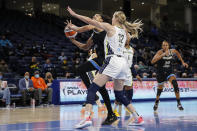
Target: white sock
(98, 102)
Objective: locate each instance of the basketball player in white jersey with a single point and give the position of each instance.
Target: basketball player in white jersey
(115, 65)
(128, 84)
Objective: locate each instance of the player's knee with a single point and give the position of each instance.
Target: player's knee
(117, 101)
(160, 86)
(92, 93)
(175, 85)
(120, 97)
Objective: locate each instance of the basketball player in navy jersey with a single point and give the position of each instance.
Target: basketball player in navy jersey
(96, 40)
(163, 60)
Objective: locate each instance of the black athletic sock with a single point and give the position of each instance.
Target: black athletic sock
(159, 91)
(178, 101)
(105, 96)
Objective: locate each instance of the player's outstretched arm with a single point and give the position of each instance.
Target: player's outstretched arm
(102, 25)
(78, 29)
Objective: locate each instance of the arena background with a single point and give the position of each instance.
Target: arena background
(35, 29)
(32, 39)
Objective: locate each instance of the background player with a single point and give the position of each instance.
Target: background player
(164, 64)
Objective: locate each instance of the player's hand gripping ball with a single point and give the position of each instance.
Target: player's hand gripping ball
(70, 33)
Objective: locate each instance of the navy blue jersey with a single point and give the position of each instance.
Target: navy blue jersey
(165, 64)
(98, 40)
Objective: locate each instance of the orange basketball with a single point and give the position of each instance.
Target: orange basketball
(70, 33)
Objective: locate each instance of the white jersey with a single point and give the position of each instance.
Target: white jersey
(128, 54)
(115, 65)
(116, 43)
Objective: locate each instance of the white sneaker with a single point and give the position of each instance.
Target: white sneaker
(180, 107)
(84, 123)
(137, 122)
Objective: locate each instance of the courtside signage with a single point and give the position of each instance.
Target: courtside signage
(75, 91)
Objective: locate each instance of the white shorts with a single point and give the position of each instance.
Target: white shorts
(115, 67)
(129, 82)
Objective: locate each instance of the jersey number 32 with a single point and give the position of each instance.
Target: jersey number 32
(121, 37)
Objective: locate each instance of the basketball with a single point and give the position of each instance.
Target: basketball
(70, 33)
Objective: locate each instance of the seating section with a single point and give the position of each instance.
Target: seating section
(43, 37)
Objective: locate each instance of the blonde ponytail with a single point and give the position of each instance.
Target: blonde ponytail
(134, 28)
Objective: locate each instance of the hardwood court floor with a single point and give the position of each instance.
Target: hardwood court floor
(63, 118)
(27, 115)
